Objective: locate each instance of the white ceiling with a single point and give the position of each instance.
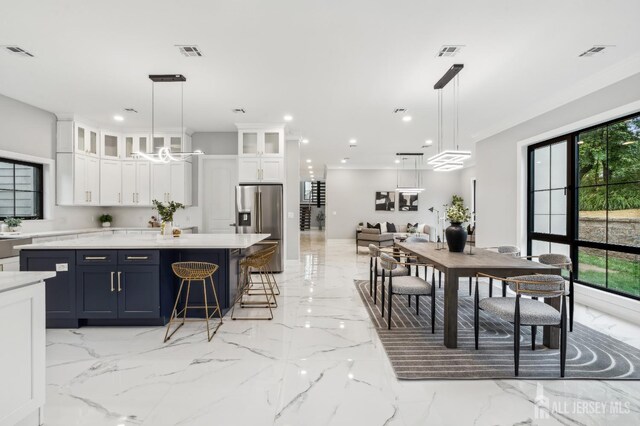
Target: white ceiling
(338, 67)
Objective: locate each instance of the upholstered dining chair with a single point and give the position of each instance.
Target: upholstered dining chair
(564, 262)
(375, 270)
(507, 250)
(527, 311)
(407, 285)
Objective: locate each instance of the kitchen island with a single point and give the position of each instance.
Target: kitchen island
(127, 279)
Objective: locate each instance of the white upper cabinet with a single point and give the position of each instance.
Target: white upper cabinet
(111, 183)
(171, 182)
(260, 153)
(77, 138)
(111, 146)
(77, 180)
(136, 183)
(254, 140)
(175, 141)
(134, 143)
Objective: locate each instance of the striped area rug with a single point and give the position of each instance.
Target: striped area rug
(417, 354)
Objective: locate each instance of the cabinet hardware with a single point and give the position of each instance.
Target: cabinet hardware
(119, 198)
(112, 280)
(133, 197)
(137, 257)
(95, 258)
(119, 284)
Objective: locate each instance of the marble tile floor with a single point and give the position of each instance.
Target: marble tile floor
(319, 362)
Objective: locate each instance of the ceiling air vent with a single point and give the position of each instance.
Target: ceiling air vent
(239, 111)
(399, 110)
(449, 51)
(189, 50)
(18, 51)
(131, 110)
(594, 50)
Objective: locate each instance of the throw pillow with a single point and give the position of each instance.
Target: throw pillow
(411, 225)
(421, 228)
(383, 227)
(376, 226)
(391, 227)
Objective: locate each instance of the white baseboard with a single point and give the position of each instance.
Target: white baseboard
(612, 304)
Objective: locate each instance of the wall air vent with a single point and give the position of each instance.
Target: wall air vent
(594, 50)
(239, 111)
(449, 51)
(189, 50)
(18, 51)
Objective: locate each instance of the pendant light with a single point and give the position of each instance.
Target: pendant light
(164, 154)
(451, 159)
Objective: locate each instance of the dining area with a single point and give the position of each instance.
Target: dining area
(484, 313)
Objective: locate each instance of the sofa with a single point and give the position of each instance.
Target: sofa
(383, 235)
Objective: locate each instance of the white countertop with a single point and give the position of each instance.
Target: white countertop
(152, 241)
(13, 280)
(39, 234)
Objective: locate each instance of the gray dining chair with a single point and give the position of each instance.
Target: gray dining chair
(375, 270)
(506, 250)
(527, 311)
(407, 285)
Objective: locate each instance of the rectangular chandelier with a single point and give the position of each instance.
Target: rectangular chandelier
(449, 157)
(447, 167)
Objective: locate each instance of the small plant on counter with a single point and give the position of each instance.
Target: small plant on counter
(105, 220)
(12, 223)
(166, 211)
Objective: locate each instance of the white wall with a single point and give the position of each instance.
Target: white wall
(292, 196)
(351, 193)
(27, 130)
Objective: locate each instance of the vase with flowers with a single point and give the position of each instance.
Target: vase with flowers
(456, 234)
(166, 212)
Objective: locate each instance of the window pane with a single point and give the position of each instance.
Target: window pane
(6, 203)
(623, 272)
(592, 216)
(624, 151)
(592, 157)
(623, 225)
(541, 223)
(27, 204)
(539, 247)
(6, 175)
(27, 178)
(541, 168)
(592, 266)
(559, 165)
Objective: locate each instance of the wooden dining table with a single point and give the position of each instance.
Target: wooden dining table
(459, 265)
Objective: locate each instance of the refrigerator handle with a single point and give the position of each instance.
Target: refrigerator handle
(259, 211)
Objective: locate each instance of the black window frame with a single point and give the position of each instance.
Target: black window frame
(571, 238)
(39, 192)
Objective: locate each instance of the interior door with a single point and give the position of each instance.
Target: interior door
(219, 179)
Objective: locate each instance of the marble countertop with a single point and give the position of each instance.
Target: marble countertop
(13, 280)
(39, 234)
(152, 241)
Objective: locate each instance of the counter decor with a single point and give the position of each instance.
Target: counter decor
(456, 234)
(166, 212)
(106, 220)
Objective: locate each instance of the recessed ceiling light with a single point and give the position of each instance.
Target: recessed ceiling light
(427, 143)
(309, 167)
(118, 118)
(406, 118)
(397, 161)
(308, 160)
(344, 160)
(288, 118)
(353, 143)
(305, 141)
(313, 179)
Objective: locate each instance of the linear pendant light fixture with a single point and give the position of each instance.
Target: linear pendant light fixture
(417, 161)
(164, 154)
(448, 160)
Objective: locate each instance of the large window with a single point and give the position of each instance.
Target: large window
(20, 190)
(584, 200)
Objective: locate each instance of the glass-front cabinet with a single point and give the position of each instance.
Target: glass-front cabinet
(86, 140)
(111, 145)
(175, 142)
(267, 142)
(135, 143)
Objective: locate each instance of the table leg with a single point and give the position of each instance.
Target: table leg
(551, 335)
(451, 309)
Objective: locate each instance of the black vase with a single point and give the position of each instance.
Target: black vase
(456, 237)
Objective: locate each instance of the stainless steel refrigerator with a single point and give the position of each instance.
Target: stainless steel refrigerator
(259, 211)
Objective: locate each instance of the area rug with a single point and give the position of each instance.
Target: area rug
(416, 354)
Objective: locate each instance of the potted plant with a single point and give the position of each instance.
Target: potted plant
(320, 218)
(13, 223)
(166, 212)
(106, 220)
(456, 234)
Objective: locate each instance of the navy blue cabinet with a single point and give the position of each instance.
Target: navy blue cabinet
(97, 291)
(139, 295)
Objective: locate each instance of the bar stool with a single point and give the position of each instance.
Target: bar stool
(247, 286)
(194, 271)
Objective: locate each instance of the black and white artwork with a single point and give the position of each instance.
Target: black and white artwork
(385, 201)
(408, 202)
